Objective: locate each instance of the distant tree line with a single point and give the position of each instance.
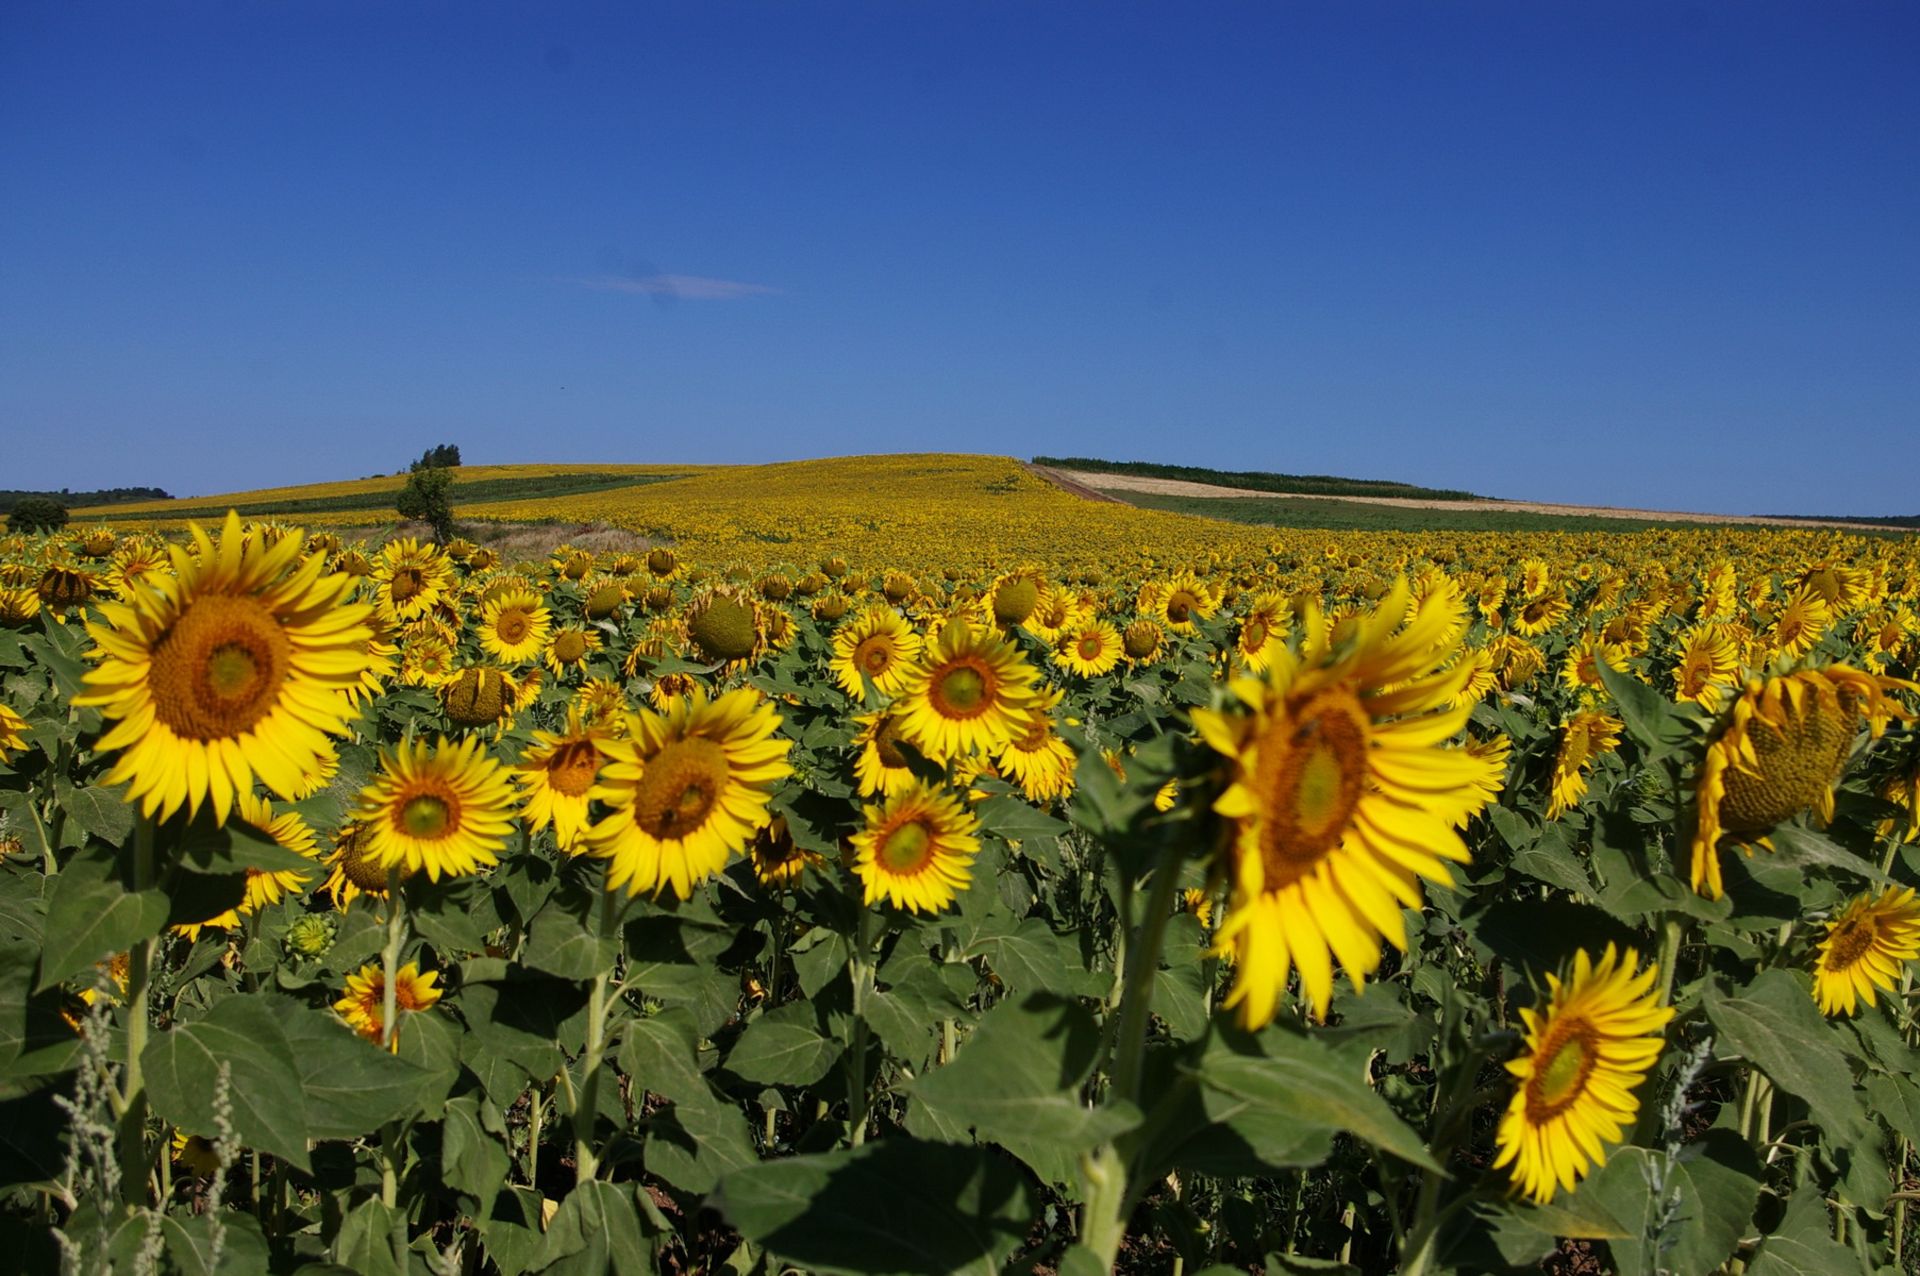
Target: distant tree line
(1260, 480)
(11, 497)
(439, 457)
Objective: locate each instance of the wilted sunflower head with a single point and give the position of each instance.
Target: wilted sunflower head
(724, 625)
(1778, 752)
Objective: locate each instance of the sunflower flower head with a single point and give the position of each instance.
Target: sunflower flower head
(1864, 949)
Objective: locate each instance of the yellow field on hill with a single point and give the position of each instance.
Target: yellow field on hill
(192, 505)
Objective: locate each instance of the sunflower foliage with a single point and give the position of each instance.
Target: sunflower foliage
(1460, 903)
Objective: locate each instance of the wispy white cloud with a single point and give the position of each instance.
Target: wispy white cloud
(678, 287)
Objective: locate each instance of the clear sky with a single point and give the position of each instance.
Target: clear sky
(1658, 254)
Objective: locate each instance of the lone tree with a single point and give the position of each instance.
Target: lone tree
(37, 514)
(425, 498)
(439, 457)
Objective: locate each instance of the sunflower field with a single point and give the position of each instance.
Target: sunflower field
(1049, 888)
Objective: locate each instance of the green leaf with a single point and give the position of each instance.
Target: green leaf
(93, 915)
(1525, 1233)
(1896, 1101)
(472, 1159)
(1717, 1183)
(898, 1206)
(1649, 716)
(34, 1039)
(244, 1032)
(1800, 847)
(1016, 1082)
(189, 1241)
(351, 1086)
(512, 1230)
(660, 1053)
(1030, 957)
(1774, 1023)
(1016, 820)
(1311, 1084)
(1803, 1244)
(559, 945)
(597, 1233)
(785, 1047)
(523, 1020)
(365, 1241)
(233, 848)
(101, 811)
(698, 1141)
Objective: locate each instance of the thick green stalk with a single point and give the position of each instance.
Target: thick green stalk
(1670, 941)
(586, 1108)
(1105, 1174)
(133, 1118)
(861, 973)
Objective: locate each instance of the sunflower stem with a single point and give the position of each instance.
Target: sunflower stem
(861, 973)
(1105, 1173)
(1671, 938)
(390, 958)
(586, 1108)
(133, 1117)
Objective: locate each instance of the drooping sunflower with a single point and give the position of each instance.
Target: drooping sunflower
(724, 626)
(1143, 641)
(446, 809)
(1343, 798)
(1585, 739)
(880, 768)
(1089, 649)
(558, 773)
(1585, 1056)
(236, 665)
(966, 694)
(1538, 615)
(364, 1004)
(350, 874)
(479, 696)
(688, 789)
(1864, 949)
(568, 649)
(514, 627)
(878, 643)
(778, 861)
(18, 605)
(1778, 752)
(917, 849)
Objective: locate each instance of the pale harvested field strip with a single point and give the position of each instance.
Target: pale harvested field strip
(1071, 479)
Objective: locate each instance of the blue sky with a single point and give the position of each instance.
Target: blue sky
(1664, 255)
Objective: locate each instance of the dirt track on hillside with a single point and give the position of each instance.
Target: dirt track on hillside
(1101, 484)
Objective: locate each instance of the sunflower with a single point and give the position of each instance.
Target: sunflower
(917, 849)
(688, 789)
(1779, 752)
(410, 579)
(1180, 602)
(1492, 753)
(569, 648)
(1037, 759)
(1800, 624)
(877, 643)
(364, 1004)
(194, 1154)
(558, 773)
(1089, 649)
(777, 860)
(1705, 667)
(1580, 670)
(1478, 661)
(1266, 622)
(880, 768)
(1584, 1058)
(265, 888)
(1586, 738)
(1537, 616)
(601, 702)
(236, 666)
(1010, 600)
(479, 696)
(724, 626)
(1143, 641)
(514, 627)
(428, 663)
(446, 809)
(966, 694)
(1341, 796)
(1865, 948)
(13, 732)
